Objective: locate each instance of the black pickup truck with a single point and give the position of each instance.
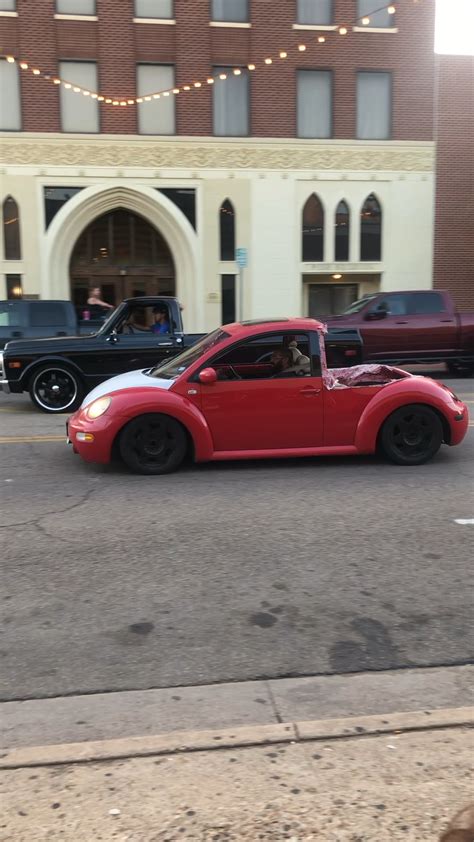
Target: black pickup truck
(58, 372)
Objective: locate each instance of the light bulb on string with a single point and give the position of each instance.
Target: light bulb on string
(147, 98)
(86, 93)
(250, 67)
(36, 72)
(175, 91)
(210, 81)
(187, 87)
(123, 103)
(155, 96)
(302, 48)
(391, 10)
(131, 101)
(197, 84)
(321, 39)
(222, 76)
(237, 71)
(23, 65)
(268, 61)
(365, 21)
(342, 30)
(11, 60)
(283, 54)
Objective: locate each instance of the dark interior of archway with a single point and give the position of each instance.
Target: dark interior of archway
(125, 256)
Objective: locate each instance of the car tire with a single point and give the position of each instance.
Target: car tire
(460, 369)
(153, 444)
(55, 389)
(411, 435)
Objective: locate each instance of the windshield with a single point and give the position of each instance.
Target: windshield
(357, 305)
(177, 365)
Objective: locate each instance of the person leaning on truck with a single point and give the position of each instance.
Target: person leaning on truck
(96, 304)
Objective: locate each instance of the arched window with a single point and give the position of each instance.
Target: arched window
(313, 230)
(371, 229)
(11, 229)
(342, 232)
(227, 230)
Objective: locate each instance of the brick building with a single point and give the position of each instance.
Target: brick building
(316, 151)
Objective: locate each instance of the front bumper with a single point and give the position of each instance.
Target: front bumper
(100, 436)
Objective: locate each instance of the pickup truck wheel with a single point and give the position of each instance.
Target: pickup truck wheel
(460, 369)
(153, 444)
(56, 389)
(411, 435)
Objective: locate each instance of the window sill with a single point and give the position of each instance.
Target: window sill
(162, 21)
(229, 24)
(380, 29)
(8, 14)
(315, 27)
(76, 17)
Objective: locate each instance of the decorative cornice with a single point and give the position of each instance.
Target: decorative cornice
(215, 155)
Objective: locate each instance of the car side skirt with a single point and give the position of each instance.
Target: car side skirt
(286, 453)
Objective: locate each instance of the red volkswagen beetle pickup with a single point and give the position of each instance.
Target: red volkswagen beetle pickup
(261, 389)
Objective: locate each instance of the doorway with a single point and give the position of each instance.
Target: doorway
(125, 256)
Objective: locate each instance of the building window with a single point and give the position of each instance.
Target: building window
(314, 12)
(156, 116)
(227, 230)
(342, 232)
(374, 106)
(14, 287)
(55, 198)
(154, 9)
(184, 199)
(228, 310)
(313, 230)
(231, 103)
(11, 229)
(380, 19)
(314, 103)
(233, 11)
(10, 103)
(7, 5)
(329, 300)
(371, 229)
(75, 7)
(79, 113)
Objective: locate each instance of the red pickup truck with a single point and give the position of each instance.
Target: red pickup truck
(419, 326)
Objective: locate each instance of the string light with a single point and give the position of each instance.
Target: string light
(236, 71)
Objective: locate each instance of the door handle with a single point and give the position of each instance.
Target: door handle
(309, 391)
(449, 321)
(401, 323)
(17, 333)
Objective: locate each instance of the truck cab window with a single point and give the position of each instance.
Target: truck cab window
(394, 305)
(423, 303)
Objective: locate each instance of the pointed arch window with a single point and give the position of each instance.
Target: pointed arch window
(342, 231)
(371, 229)
(313, 230)
(227, 230)
(11, 229)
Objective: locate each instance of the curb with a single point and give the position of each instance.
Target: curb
(240, 737)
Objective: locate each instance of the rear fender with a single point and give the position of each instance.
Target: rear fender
(131, 402)
(394, 395)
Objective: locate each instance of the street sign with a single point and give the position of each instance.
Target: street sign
(241, 258)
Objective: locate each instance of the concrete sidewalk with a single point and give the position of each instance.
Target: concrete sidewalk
(399, 786)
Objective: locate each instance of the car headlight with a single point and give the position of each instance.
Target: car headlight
(98, 407)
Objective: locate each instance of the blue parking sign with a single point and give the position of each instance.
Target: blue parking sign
(241, 258)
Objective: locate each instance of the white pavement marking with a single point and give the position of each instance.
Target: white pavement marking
(465, 521)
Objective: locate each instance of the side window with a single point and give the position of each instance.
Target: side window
(139, 319)
(394, 305)
(426, 302)
(48, 314)
(269, 356)
(11, 314)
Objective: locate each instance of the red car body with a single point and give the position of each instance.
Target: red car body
(267, 418)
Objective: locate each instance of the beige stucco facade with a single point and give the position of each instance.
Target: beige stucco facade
(267, 181)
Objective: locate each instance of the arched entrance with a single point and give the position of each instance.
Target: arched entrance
(94, 201)
(124, 255)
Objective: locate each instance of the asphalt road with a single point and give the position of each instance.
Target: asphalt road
(228, 571)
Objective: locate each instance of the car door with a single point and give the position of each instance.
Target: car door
(265, 413)
(121, 352)
(391, 334)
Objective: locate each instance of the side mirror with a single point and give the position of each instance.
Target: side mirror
(207, 376)
(373, 315)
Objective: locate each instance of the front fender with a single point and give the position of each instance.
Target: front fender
(131, 402)
(417, 390)
(47, 360)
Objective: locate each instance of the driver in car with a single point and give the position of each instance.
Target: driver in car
(161, 323)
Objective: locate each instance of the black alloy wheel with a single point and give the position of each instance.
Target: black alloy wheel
(412, 435)
(56, 389)
(153, 444)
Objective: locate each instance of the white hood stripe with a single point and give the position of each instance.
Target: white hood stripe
(128, 380)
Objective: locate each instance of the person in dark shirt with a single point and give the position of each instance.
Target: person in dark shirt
(161, 324)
